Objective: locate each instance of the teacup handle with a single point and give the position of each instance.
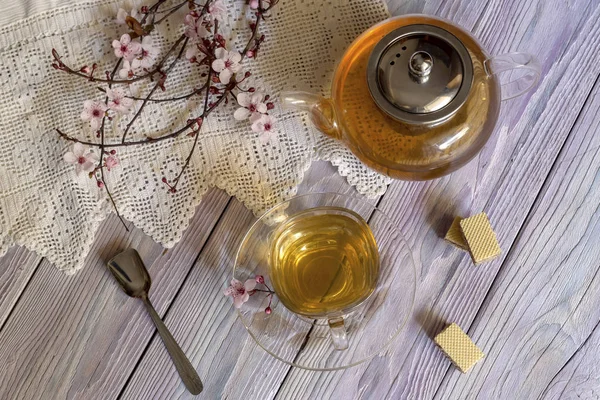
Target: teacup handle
(337, 329)
(529, 77)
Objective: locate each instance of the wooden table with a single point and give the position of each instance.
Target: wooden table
(534, 311)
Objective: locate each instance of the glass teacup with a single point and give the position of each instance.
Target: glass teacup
(343, 277)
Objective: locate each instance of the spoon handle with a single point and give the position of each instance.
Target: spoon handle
(186, 371)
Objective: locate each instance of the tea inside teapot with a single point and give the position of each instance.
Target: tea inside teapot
(414, 97)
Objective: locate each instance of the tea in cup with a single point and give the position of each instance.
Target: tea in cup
(324, 262)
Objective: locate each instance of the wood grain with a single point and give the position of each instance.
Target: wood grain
(580, 377)
(545, 301)
(16, 268)
(504, 181)
(81, 336)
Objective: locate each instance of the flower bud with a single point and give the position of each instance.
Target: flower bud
(249, 54)
(270, 106)
(268, 310)
(267, 97)
(113, 152)
(247, 74)
(100, 184)
(164, 180)
(144, 10)
(260, 279)
(252, 90)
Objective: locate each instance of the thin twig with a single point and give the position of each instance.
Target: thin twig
(173, 10)
(156, 86)
(103, 151)
(152, 10)
(177, 98)
(206, 97)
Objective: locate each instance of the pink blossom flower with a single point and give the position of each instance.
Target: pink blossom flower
(147, 55)
(82, 158)
(111, 162)
(93, 111)
(239, 291)
(226, 64)
(125, 48)
(191, 52)
(265, 126)
(194, 28)
(126, 72)
(253, 4)
(251, 103)
(217, 10)
(118, 100)
(122, 15)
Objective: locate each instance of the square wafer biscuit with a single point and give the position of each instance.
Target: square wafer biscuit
(458, 347)
(455, 235)
(480, 238)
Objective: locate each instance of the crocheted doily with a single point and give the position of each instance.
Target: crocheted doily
(46, 207)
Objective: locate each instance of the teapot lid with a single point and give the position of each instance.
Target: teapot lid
(420, 74)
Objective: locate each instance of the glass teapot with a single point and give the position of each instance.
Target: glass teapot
(416, 97)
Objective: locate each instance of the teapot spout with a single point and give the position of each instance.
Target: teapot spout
(320, 109)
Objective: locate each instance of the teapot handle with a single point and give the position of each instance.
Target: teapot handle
(320, 109)
(525, 66)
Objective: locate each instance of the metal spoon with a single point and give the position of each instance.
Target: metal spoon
(129, 270)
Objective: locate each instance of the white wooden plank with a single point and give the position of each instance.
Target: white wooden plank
(16, 268)
(228, 361)
(580, 377)
(503, 181)
(546, 299)
(81, 336)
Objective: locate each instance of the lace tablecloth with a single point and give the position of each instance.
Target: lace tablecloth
(47, 208)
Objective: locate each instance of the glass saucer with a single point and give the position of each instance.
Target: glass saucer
(305, 342)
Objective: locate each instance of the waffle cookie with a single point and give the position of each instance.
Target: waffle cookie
(480, 238)
(455, 235)
(458, 347)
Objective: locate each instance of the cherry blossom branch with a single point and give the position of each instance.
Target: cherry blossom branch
(228, 89)
(241, 291)
(137, 62)
(58, 64)
(173, 186)
(170, 99)
(103, 151)
(159, 83)
(171, 135)
(166, 99)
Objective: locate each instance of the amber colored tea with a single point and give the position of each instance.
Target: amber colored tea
(323, 260)
(403, 150)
